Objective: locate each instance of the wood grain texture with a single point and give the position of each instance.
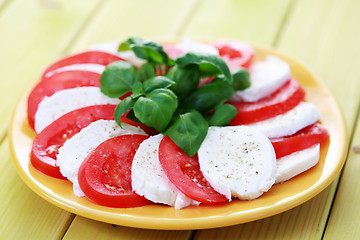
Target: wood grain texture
(322, 35)
(254, 21)
(302, 222)
(36, 34)
(83, 228)
(23, 214)
(344, 218)
(118, 20)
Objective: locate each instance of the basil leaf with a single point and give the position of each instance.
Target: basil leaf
(157, 82)
(137, 90)
(208, 96)
(241, 79)
(222, 115)
(148, 50)
(125, 105)
(186, 79)
(188, 131)
(209, 65)
(118, 79)
(156, 109)
(146, 71)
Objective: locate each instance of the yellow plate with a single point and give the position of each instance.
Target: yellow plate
(279, 198)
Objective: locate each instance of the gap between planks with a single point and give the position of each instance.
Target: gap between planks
(284, 22)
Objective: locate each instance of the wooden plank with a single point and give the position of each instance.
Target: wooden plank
(118, 20)
(23, 214)
(302, 222)
(344, 219)
(83, 228)
(253, 21)
(33, 34)
(332, 48)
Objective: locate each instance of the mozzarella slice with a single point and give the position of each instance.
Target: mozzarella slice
(89, 67)
(112, 47)
(265, 77)
(238, 161)
(188, 45)
(304, 114)
(149, 179)
(296, 163)
(76, 149)
(64, 101)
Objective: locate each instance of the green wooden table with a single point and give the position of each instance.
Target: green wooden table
(322, 34)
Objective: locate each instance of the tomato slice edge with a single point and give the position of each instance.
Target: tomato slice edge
(96, 170)
(171, 157)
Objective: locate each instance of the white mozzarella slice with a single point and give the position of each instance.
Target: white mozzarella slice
(112, 47)
(265, 77)
(89, 67)
(76, 149)
(188, 45)
(304, 114)
(67, 100)
(238, 161)
(296, 163)
(149, 179)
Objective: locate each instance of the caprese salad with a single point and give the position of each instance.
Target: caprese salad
(139, 122)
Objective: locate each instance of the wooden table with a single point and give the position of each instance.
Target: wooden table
(322, 34)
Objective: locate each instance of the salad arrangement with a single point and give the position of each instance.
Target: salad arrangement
(220, 126)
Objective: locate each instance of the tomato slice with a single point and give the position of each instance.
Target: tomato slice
(57, 82)
(105, 175)
(301, 140)
(287, 97)
(235, 54)
(184, 172)
(46, 144)
(97, 57)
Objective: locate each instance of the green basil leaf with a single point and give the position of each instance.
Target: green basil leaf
(186, 79)
(156, 109)
(137, 90)
(208, 96)
(124, 46)
(209, 65)
(125, 105)
(148, 50)
(241, 79)
(157, 82)
(222, 115)
(146, 71)
(188, 131)
(118, 78)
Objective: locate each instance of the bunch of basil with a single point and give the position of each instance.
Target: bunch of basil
(165, 93)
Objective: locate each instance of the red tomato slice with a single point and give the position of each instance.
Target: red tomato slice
(235, 54)
(184, 172)
(57, 82)
(283, 100)
(97, 57)
(46, 144)
(301, 140)
(105, 175)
